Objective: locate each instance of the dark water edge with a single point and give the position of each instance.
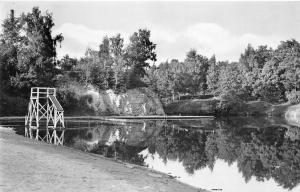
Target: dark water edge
(255, 151)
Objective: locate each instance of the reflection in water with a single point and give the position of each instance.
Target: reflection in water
(53, 136)
(232, 154)
(257, 153)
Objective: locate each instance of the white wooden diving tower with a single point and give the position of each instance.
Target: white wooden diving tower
(45, 114)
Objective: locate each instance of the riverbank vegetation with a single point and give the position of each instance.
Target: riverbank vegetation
(28, 59)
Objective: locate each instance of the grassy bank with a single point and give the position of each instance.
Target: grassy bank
(219, 107)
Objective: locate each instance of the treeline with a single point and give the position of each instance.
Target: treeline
(114, 65)
(28, 58)
(262, 73)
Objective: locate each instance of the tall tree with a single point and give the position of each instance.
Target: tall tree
(252, 62)
(139, 52)
(280, 74)
(117, 53)
(212, 75)
(11, 30)
(37, 53)
(9, 41)
(230, 78)
(288, 54)
(106, 62)
(197, 66)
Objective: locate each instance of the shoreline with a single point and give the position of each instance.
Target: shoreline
(30, 165)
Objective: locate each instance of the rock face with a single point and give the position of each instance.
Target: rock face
(137, 102)
(292, 115)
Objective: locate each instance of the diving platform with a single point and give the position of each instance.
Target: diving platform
(45, 112)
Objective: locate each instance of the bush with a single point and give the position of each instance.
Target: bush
(230, 104)
(81, 145)
(271, 93)
(293, 96)
(73, 100)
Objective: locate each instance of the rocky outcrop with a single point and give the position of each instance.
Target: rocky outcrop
(292, 115)
(136, 102)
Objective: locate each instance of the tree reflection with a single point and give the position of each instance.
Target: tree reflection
(122, 151)
(260, 153)
(186, 146)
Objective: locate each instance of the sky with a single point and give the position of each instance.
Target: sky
(220, 28)
(224, 176)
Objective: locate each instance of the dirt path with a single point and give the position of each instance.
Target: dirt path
(29, 165)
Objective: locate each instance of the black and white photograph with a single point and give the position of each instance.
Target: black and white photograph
(149, 96)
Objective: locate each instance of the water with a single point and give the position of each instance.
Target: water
(229, 155)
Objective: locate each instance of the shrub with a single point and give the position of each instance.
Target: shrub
(230, 104)
(271, 93)
(293, 96)
(73, 100)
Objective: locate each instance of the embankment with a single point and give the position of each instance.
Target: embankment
(234, 108)
(81, 101)
(30, 165)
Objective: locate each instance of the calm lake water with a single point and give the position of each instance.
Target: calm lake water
(231, 155)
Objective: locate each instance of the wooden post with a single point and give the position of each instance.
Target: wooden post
(30, 133)
(26, 131)
(47, 135)
(55, 136)
(37, 134)
(37, 108)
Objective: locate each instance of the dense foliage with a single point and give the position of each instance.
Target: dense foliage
(28, 51)
(262, 73)
(114, 66)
